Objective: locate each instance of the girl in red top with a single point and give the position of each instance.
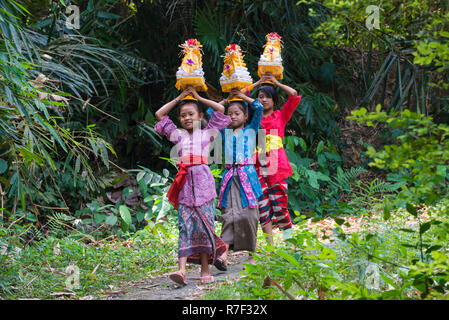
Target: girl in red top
(275, 169)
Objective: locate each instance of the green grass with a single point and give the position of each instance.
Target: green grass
(38, 271)
(377, 243)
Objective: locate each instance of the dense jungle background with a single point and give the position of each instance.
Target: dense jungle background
(83, 174)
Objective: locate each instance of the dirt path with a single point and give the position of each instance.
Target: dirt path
(160, 287)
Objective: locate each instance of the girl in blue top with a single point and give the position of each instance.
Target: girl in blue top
(240, 186)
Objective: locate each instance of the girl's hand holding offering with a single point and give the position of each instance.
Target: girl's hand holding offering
(268, 76)
(195, 94)
(234, 93)
(239, 94)
(184, 94)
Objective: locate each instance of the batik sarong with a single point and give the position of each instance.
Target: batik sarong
(196, 233)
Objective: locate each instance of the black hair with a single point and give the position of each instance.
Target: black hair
(270, 91)
(198, 108)
(184, 102)
(243, 106)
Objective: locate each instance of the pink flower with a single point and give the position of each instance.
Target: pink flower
(191, 42)
(274, 35)
(232, 46)
(271, 50)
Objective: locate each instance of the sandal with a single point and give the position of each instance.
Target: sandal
(178, 277)
(220, 265)
(207, 279)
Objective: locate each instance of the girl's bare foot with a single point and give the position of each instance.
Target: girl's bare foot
(205, 271)
(207, 279)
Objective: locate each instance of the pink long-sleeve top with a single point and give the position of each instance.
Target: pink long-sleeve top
(274, 124)
(199, 187)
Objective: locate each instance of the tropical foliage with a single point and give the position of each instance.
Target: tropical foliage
(80, 161)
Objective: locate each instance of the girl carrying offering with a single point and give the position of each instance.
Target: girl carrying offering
(193, 190)
(240, 186)
(272, 165)
(274, 172)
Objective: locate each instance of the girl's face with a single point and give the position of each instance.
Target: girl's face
(188, 114)
(238, 117)
(266, 101)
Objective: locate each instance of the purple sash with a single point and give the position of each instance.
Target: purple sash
(246, 184)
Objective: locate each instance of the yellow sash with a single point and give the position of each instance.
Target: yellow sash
(272, 143)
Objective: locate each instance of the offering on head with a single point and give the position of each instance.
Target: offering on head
(235, 74)
(191, 73)
(271, 60)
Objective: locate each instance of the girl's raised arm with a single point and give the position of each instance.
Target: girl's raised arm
(210, 103)
(257, 116)
(293, 98)
(241, 95)
(166, 108)
(248, 89)
(286, 88)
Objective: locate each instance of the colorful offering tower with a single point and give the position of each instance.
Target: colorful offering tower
(191, 73)
(235, 74)
(271, 60)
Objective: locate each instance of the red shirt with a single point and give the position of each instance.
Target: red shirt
(277, 121)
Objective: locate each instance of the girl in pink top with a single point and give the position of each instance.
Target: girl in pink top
(274, 171)
(193, 193)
